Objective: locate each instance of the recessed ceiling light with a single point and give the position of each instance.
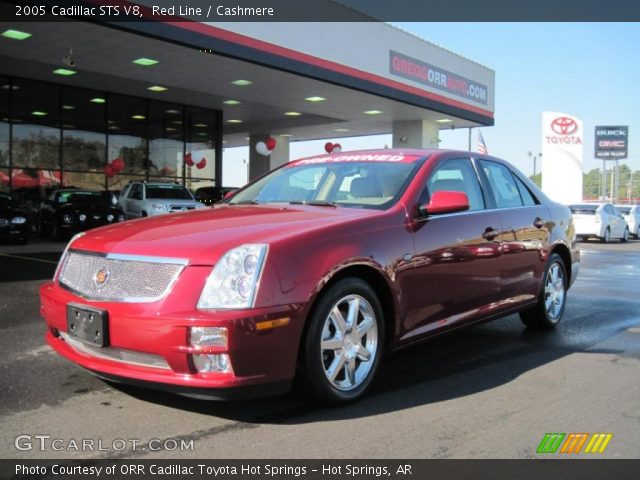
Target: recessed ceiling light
(234, 121)
(373, 112)
(157, 88)
(6, 86)
(68, 107)
(138, 117)
(145, 62)
(38, 113)
(242, 83)
(341, 130)
(286, 135)
(15, 34)
(292, 114)
(98, 100)
(200, 125)
(246, 138)
(231, 102)
(170, 129)
(315, 99)
(64, 72)
(172, 111)
(444, 120)
(113, 127)
(202, 134)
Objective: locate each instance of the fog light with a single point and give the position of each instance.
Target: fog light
(219, 363)
(82, 217)
(208, 337)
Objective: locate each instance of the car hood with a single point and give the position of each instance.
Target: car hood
(202, 236)
(12, 212)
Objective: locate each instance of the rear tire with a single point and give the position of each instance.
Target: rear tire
(343, 343)
(637, 235)
(625, 235)
(607, 236)
(546, 314)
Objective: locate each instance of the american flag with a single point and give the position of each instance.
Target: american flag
(482, 147)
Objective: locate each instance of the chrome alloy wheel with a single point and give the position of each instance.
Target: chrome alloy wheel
(349, 342)
(554, 292)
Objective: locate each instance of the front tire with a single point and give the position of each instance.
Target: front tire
(607, 236)
(552, 299)
(343, 343)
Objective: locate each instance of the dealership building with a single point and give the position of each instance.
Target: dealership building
(168, 96)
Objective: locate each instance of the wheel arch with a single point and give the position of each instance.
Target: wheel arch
(565, 254)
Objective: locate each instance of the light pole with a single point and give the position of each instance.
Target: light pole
(535, 158)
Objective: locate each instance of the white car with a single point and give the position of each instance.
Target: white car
(631, 214)
(600, 220)
(147, 199)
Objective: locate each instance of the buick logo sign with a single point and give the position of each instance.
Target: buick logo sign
(564, 126)
(101, 277)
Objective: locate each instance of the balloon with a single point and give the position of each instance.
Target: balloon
(328, 147)
(337, 148)
(201, 164)
(271, 143)
(117, 165)
(109, 171)
(262, 149)
(188, 160)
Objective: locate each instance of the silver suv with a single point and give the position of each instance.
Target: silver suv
(145, 199)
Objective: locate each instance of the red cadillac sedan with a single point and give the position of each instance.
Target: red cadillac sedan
(312, 272)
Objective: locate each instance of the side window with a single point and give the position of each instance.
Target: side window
(457, 175)
(136, 192)
(525, 194)
(505, 191)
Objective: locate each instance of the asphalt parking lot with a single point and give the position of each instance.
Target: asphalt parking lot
(491, 391)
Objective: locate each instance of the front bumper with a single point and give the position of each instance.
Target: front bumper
(14, 232)
(148, 343)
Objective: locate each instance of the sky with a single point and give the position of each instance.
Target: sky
(588, 70)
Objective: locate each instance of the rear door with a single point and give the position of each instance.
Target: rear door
(455, 277)
(525, 233)
(134, 200)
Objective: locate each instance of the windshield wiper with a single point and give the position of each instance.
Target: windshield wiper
(244, 202)
(315, 203)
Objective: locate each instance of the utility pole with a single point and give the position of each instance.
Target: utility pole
(535, 169)
(470, 138)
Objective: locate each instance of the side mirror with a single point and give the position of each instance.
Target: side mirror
(229, 194)
(446, 202)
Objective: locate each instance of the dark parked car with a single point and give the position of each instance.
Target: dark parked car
(312, 272)
(211, 195)
(14, 221)
(69, 211)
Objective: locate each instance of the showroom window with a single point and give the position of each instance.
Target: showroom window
(53, 135)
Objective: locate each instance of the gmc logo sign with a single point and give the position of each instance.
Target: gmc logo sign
(611, 143)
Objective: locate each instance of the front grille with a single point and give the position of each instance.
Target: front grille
(119, 278)
(180, 208)
(117, 354)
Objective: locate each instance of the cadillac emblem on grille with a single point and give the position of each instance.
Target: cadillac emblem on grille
(101, 277)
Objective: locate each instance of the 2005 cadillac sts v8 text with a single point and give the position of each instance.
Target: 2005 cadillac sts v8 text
(311, 273)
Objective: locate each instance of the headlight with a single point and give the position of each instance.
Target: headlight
(82, 217)
(121, 217)
(18, 220)
(66, 218)
(110, 218)
(234, 280)
(160, 207)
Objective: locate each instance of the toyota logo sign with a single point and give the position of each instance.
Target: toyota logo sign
(564, 126)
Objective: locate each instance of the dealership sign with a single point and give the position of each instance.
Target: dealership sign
(611, 142)
(435, 77)
(562, 149)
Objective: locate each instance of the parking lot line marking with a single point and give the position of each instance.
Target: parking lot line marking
(27, 258)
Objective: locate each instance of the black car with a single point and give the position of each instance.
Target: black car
(69, 211)
(14, 222)
(211, 195)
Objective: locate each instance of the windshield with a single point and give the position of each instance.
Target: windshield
(83, 197)
(374, 185)
(168, 191)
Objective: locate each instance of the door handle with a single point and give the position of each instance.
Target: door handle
(538, 222)
(490, 233)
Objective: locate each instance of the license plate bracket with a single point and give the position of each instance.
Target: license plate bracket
(87, 324)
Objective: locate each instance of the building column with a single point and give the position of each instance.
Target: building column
(261, 164)
(415, 134)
